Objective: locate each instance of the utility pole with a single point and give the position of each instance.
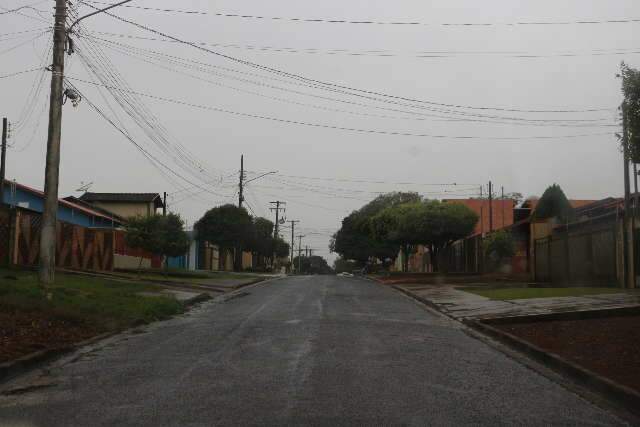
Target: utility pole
(241, 187)
(627, 282)
(300, 253)
(490, 207)
(3, 160)
(46, 273)
(502, 203)
(293, 227)
(278, 203)
(276, 228)
(164, 204)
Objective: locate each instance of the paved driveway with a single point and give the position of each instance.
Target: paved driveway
(299, 351)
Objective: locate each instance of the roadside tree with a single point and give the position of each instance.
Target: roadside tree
(157, 234)
(554, 204)
(430, 223)
(229, 227)
(354, 241)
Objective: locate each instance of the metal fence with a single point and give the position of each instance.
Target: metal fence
(581, 257)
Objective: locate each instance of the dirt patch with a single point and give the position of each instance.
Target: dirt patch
(608, 346)
(23, 333)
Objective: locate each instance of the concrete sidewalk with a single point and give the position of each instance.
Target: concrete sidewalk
(464, 305)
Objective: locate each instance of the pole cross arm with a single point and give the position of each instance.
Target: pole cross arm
(97, 11)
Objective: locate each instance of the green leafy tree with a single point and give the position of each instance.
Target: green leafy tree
(631, 107)
(281, 248)
(499, 246)
(430, 223)
(312, 265)
(157, 234)
(229, 227)
(554, 204)
(262, 239)
(354, 240)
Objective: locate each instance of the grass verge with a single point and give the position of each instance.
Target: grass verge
(506, 294)
(80, 307)
(177, 275)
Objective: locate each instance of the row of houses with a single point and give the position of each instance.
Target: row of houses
(90, 232)
(587, 250)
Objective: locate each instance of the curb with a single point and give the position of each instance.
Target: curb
(12, 369)
(424, 301)
(19, 366)
(615, 393)
(622, 395)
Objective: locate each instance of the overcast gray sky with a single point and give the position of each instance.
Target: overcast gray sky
(513, 67)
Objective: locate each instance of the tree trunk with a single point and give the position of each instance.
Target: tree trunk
(434, 259)
(237, 259)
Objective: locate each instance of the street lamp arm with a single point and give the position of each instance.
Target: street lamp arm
(95, 13)
(258, 177)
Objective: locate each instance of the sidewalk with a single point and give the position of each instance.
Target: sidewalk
(467, 306)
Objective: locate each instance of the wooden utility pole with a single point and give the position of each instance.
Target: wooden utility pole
(300, 253)
(47, 264)
(490, 207)
(164, 204)
(293, 227)
(502, 204)
(3, 158)
(241, 185)
(277, 209)
(276, 228)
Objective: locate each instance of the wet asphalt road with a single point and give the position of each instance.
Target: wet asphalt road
(298, 351)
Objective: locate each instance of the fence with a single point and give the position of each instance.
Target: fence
(579, 257)
(463, 256)
(77, 247)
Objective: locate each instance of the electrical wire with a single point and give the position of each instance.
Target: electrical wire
(353, 91)
(163, 63)
(374, 22)
(350, 129)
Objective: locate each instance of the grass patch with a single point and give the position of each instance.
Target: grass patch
(526, 293)
(177, 275)
(104, 304)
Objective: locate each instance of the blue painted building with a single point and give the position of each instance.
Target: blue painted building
(70, 210)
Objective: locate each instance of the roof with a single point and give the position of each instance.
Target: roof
(575, 203)
(502, 212)
(123, 198)
(67, 203)
(77, 201)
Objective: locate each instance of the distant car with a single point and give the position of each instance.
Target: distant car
(345, 274)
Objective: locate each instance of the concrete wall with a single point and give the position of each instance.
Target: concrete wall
(126, 261)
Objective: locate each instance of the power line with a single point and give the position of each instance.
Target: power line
(328, 85)
(374, 22)
(162, 62)
(344, 128)
(385, 53)
(17, 73)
